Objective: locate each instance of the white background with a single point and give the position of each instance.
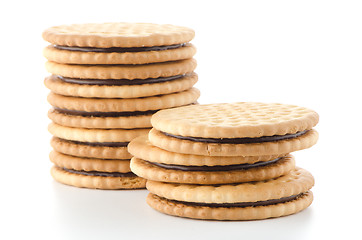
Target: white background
(307, 53)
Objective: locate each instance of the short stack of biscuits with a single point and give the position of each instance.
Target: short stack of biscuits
(227, 161)
(107, 80)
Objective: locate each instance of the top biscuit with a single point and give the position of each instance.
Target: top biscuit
(235, 120)
(124, 35)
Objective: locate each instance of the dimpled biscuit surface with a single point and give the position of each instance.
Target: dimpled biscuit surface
(104, 35)
(235, 120)
(295, 182)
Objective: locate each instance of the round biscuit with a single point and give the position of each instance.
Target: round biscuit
(89, 164)
(172, 144)
(87, 151)
(126, 122)
(95, 135)
(78, 57)
(231, 214)
(152, 172)
(124, 91)
(235, 120)
(96, 182)
(295, 182)
(143, 71)
(118, 34)
(124, 105)
(141, 147)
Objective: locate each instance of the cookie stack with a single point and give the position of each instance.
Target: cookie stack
(227, 161)
(107, 80)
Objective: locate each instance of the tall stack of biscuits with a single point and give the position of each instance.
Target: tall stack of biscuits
(227, 161)
(107, 80)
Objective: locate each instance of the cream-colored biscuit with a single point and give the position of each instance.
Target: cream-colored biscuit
(126, 122)
(152, 172)
(235, 120)
(295, 182)
(78, 57)
(124, 91)
(87, 151)
(95, 135)
(233, 213)
(97, 182)
(216, 149)
(89, 164)
(124, 105)
(143, 71)
(140, 147)
(179, 199)
(106, 35)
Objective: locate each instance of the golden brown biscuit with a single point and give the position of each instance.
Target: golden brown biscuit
(276, 197)
(206, 175)
(234, 129)
(296, 181)
(86, 88)
(124, 105)
(54, 54)
(79, 121)
(83, 179)
(141, 147)
(174, 144)
(230, 213)
(95, 135)
(143, 71)
(86, 150)
(235, 120)
(126, 35)
(89, 164)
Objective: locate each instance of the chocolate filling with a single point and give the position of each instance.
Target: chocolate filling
(240, 204)
(119, 49)
(118, 82)
(97, 144)
(104, 114)
(240, 140)
(100, 174)
(215, 168)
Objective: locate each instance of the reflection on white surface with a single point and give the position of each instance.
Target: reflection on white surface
(103, 214)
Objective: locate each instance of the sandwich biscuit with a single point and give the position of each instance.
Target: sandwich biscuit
(276, 197)
(237, 129)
